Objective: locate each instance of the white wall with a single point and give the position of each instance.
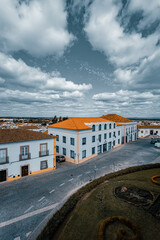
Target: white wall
(144, 132)
(14, 165)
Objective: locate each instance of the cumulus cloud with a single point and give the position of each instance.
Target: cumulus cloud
(126, 98)
(37, 26)
(19, 73)
(106, 33)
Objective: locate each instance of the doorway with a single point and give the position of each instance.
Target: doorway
(99, 149)
(24, 171)
(105, 147)
(151, 132)
(3, 175)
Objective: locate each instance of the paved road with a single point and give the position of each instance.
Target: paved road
(25, 203)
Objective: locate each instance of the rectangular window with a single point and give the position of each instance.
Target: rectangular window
(110, 126)
(110, 134)
(83, 153)
(44, 165)
(118, 141)
(24, 152)
(105, 136)
(105, 126)
(64, 151)
(114, 134)
(57, 149)
(64, 139)
(3, 156)
(43, 149)
(118, 133)
(57, 139)
(72, 141)
(83, 141)
(72, 155)
(93, 138)
(99, 137)
(93, 150)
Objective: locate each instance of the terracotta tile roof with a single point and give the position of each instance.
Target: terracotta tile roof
(46, 132)
(28, 127)
(116, 118)
(19, 135)
(148, 126)
(78, 123)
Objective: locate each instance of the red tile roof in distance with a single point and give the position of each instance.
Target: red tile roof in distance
(78, 123)
(19, 135)
(116, 118)
(148, 126)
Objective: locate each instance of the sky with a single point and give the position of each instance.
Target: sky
(79, 58)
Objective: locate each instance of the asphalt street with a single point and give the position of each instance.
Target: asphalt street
(26, 202)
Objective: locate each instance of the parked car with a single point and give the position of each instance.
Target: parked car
(60, 158)
(157, 144)
(154, 140)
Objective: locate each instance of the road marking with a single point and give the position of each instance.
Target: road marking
(80, 175)
(61, 184)
(41, 199)
(52, 190)
(29, 209)
(87, 172)
(70, 179)
(27, 234)
(31, 214)
(17, 238)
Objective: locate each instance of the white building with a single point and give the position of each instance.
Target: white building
(128, 127)
(146, 130)
(82, 138)
(24, 152)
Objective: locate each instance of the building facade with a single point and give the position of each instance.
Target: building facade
(82, 138)
(128, 127)
(24, 153)
(146, 130)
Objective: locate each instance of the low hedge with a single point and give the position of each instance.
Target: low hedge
(121, 234)
(59, 217)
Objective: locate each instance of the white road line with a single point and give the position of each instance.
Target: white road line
(61, 184)
(29, 209)
(87, 172)
(17, 238)
(70, 179)
(27, 234)
(41, 199)
(52, 190)
(31, 214)
(80, 175)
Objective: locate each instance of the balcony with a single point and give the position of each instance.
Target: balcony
(4, 160)
(44, 153)
(24, 157)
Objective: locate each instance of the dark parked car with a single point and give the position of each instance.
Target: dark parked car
(60, 158)
(155, 140)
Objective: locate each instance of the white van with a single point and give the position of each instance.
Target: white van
(157, 144)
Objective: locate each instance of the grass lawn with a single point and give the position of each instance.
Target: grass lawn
(84, 221)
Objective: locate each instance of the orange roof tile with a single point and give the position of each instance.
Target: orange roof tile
(148, 126)
(116, 118)
(77, 123)
(46, 132)
(19, 135)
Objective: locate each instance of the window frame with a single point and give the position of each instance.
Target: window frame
(72, 143)
(6, 149)
(105, 126)
(46, 154)
(28, 156)
(93, 138)
(65, 151)
(64, 139)
(42, 163)
(85, 154)
(84, 142)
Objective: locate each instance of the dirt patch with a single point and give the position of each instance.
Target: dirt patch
(155, 208)
(134, 195)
